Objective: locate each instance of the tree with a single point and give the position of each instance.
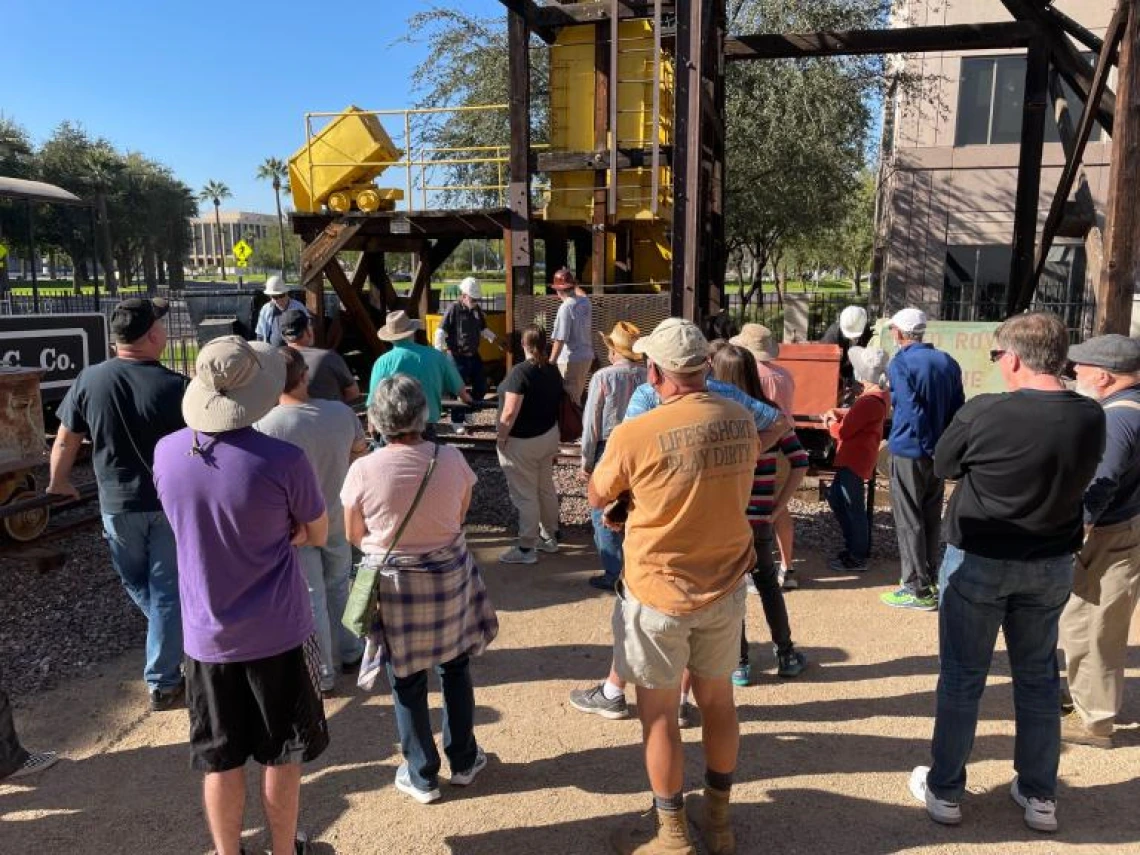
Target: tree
(216, 191)
(275, 170)
(16, 161)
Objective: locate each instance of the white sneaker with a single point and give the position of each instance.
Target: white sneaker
(1040, 814)
(547, 544)
(514, 555)
(463, 779)
(404, 785)
(940, 810)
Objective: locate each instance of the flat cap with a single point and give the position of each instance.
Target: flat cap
(1112, 352)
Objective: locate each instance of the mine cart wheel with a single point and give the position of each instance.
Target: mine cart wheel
(29, 525)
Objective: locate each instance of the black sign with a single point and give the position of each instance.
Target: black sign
(60, 345)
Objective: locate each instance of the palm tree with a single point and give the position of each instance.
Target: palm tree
(216, 191)
(277, 171)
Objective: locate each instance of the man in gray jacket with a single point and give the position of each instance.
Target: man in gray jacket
(1106, 582)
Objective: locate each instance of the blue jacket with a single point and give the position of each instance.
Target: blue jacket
(926, 391)
(1114, 494)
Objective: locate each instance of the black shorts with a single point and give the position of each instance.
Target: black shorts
(268, 709)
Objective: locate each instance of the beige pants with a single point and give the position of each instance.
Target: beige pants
(1094, 625)
(574, 376)
(528, 465)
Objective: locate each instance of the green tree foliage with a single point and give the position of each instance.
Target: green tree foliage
(468, 65)
(275, 245)
(141, 223)
(276, 171)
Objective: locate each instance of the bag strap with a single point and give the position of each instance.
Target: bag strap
(1132, 405)
(419, 495)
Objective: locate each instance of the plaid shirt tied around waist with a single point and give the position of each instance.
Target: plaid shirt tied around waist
(432, 608)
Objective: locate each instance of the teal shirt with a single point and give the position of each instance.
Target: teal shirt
(436, 373)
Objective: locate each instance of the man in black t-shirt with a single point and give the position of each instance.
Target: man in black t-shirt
(125, 406)
(1022, 461)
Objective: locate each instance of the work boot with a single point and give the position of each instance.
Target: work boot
(670, 837)
(710, 814)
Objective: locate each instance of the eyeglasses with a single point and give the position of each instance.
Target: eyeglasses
(995, 355)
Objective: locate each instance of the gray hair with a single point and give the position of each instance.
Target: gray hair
(869, 364)
(1039, 339)
(399, 407)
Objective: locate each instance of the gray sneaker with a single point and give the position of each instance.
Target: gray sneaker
(594, 700)
(547, 544)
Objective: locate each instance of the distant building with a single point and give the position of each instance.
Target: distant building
(236, 225)
(950, 159)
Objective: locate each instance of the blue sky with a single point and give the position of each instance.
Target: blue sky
(206, 87)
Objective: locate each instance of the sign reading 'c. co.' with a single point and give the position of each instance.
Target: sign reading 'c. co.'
(59, 345)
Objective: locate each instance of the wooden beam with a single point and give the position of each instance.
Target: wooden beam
(1029, 170)
(1078, 31)
(1008, 34)
(687, 165)
(571, 161)
(531, 14)
(324, 247)
(354, 305)
(1122, 246)
(602, 48)
(1073, 159)
(431, 257)
(518, 236)
(555, 15)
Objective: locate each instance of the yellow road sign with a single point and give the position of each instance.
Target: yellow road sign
(3, 252)
(242, 251)
(242, 263)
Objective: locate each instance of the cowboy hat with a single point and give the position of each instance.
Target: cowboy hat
(621, 339)
(758, 339)
(235, 384)
(398, 326)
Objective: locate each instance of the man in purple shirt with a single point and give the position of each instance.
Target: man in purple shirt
(239, 502)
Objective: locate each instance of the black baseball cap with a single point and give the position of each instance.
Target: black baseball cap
(294, 322)
(133, 318)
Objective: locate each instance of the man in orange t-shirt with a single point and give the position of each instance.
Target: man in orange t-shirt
(687, 466)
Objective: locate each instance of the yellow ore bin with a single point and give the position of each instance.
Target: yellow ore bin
(336, 166)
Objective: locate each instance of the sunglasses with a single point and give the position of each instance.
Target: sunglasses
(995, 355)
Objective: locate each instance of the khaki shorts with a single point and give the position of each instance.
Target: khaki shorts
(651, 648)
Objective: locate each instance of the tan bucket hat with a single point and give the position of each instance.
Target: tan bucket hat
(621, 339)
(235, 384)
(758, 339)
(398, 326)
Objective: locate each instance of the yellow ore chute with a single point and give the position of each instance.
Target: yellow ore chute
(337, 165)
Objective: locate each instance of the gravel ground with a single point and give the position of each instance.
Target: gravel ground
(64, 621)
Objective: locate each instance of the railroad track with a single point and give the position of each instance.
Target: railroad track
(569, 453)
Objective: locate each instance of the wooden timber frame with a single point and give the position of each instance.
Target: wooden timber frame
(701, 49)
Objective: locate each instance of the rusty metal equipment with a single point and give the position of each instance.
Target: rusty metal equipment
(22, 449)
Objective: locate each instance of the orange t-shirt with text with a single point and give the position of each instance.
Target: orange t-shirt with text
(688, 466)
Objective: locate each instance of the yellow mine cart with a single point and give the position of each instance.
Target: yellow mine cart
(336, 166)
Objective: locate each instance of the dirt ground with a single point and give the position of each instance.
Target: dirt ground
(823, 767)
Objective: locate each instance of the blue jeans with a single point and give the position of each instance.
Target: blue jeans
(607, 541)
(410, 701)
(328, 570)
(144, 556)
(848, 499)
(471, 370)
(1025, 599)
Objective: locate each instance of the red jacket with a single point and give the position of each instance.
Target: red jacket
(859, 431)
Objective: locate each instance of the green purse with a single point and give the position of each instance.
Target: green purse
(362, 599)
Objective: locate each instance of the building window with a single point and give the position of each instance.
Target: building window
(991, 96)
(976, 283)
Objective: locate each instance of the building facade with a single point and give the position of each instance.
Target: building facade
(950, 157)
(236, 225)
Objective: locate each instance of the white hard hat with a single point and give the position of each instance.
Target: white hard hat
(853, 322)
(470, 287)
(275, 287)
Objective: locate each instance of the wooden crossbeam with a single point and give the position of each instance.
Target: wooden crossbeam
(323, 248)
(430, 257)
(531, 14)
(1078, 31)
(1073, 161)
(571, 161)
(555, 15)
(354, 305)
(1007, 34)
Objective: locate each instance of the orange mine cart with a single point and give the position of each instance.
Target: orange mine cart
(22, 449)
